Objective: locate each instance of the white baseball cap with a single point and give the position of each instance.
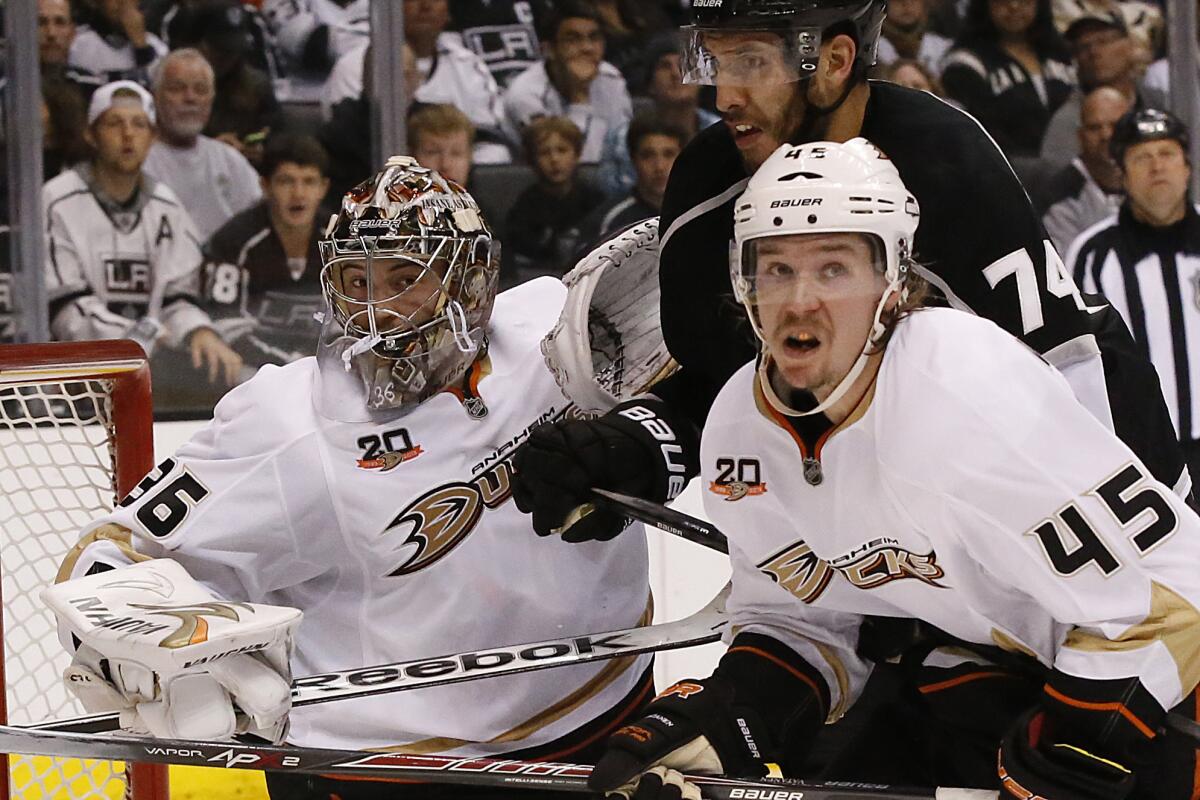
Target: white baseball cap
(104, 98)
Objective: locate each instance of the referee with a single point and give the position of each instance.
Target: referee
(1145, 260)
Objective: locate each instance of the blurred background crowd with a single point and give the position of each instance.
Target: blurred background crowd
(193, 149)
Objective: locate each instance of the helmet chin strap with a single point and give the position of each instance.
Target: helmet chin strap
(814, 114)
(839, 391)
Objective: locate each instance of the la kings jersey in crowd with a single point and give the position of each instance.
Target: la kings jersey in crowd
(1152, 277)
(980, 242)
(398, 541)
(109, 265)
(263, 303)
(969, 489)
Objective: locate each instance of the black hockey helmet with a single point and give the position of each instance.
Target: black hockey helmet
(1146, 125)
(800, 22)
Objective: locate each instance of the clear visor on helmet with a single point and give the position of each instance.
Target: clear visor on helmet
(734, 57)
(785, 280)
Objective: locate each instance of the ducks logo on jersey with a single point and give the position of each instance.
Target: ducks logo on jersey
(882, 560)
(799, 570)
(439, 520)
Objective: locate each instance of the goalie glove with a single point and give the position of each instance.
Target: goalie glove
(172, 659)
(641, 448)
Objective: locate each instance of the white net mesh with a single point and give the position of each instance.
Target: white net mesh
(56, 475)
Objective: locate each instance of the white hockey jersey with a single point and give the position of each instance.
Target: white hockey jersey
(971, 490)
(399, 541)
(292, 22)
(532, 95)
(107, 267)
(455, 76)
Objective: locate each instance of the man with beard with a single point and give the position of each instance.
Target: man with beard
(799, 75)
(796, 72)
(213, 180)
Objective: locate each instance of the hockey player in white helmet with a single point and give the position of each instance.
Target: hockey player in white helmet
(877, 459)
(367, 488)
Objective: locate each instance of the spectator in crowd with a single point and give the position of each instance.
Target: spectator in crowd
(1158, 76)
(573, 80)
(263, 276)
(244, 108)
(449, 74)
(628, 25)
(213, 180)
(653, 145)
(347, 134)
(1010, 70)
(440, 138)
(543, 224)
(311, 35)
(1145, 260)
(504, 35)
(56, 33)
(115, 44)
(674, 102)
(1090, 188)
(64, 118)
(122, 257)
(1105, 55)
(913, 74)
(906, 34)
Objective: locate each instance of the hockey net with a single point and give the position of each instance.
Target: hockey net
(75, 434)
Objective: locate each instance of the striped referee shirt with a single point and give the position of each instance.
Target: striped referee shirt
(1151, 276)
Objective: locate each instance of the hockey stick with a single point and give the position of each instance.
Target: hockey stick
(496, 773)
(664, 518)
(705, 533)
(702, 627)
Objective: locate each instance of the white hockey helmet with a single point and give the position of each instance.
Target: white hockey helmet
(825, 187)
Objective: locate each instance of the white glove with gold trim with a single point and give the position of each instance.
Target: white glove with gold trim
(175, 661)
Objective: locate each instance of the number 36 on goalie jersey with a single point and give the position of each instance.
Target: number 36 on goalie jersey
(172, 502)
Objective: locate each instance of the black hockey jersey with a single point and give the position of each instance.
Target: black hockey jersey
(980, 242)
(262, 304)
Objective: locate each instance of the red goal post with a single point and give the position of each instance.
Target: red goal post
(76, 434)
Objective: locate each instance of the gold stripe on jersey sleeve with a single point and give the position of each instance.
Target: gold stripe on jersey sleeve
(1011, 645)
(112, 532)
(613, 669)
(1172, 620)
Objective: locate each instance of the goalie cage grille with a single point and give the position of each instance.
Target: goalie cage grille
(75, 434)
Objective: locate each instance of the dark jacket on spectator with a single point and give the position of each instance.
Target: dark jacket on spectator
(260, 303)
(995, 89)
(542, 230)
(245, 103)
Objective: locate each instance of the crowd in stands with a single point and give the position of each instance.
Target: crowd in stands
(209, 139)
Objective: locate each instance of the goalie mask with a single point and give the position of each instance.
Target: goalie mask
(785, 261)
(409, 273)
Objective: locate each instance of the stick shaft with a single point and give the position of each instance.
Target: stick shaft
(665, 519)
(702, 627)
(498, 773)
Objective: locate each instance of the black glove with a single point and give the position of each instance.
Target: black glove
(757, 710)
(1034, 765)
(639, 448)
